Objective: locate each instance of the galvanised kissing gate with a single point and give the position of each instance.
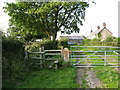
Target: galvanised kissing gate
(93, 56)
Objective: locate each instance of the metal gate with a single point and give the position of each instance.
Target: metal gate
(94, 56)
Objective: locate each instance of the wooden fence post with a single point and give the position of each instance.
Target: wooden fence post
(62, 52)
(42, 56)
(40, 50)
(26, 55)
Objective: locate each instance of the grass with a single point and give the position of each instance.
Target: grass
(84, 84)
(48, 78)
(108, 76)
(87, 53)
(95, 55)
(65, 77)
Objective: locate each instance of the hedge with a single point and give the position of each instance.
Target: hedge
(110, 41)
(48, 45)
(64, 43)
(13, 67)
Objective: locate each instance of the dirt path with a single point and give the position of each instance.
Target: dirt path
(86, 76)
(80, 75)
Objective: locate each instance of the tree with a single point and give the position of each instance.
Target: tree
(46, 17)
(17, 33)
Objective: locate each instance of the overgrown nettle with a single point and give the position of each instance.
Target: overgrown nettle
(47, 18)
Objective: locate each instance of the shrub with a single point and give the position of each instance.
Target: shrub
(86, 41)
(34, 46)
(110, 41)
(63, 42)
(95, 42)
(116, 42)
(13, 68)
(48, 45)
(11, 45)
(91, 42)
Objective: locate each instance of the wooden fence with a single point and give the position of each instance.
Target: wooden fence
(45, 55)
(100, 55)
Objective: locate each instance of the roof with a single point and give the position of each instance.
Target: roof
(72, 37)
(106, 29)
(95, 32)
(98, 31)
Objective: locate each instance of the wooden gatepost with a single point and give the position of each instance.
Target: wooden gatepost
(42, 56)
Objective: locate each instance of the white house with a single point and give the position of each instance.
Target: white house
(100, 33)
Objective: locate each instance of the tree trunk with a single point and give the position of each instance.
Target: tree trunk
(56, 27)
(55, 35)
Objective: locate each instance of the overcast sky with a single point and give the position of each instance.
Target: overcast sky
(103, 11)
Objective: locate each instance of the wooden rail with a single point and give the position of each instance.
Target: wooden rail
(43, 54)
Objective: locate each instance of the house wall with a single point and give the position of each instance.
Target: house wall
(91, 37)
(105, 33)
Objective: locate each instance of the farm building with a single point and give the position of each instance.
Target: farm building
(100, 33)
(72, 39)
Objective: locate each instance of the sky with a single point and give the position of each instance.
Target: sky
(103, 11)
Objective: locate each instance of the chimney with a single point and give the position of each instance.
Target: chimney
(104, 24)
(91, 31)
(98, 27)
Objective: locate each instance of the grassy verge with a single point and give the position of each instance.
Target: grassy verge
(108, 76)
(48, 78)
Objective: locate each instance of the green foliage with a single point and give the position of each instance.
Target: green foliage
(91, 42)
(34, 46)
(11, 45)
(66, 64)
(48, 45)
(63, 43)
(110, 41)
(48, 78)
(86, 41)
(108, 76)
(46, 18)
(118, 41)
(18, 34)
(13, 68)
